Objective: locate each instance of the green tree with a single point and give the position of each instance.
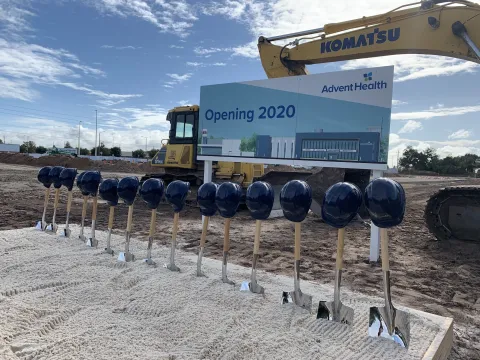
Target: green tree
(138, 153)
(41, 150)
(152, 153)
(68, 146)
(28, 147)
(1, 141)
(101, 150)
(116, 151)
(249, 144)
(84, 151)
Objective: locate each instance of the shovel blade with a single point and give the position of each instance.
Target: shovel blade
(342, 314)
(255, 288)
(67, 232)
(298, 298)
(398, 329)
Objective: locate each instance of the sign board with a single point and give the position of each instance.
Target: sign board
(337, 119)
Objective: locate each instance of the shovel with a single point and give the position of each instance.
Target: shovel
(127, 256)
(206, 201)
(153, 220)
(340, 206)
(53, 227)
(67, 232)
(93, 242)
(296, 296)
(67, 178)
(42, 225)
(253, 285)
(385, 202)
(172, 265)
(84, 213)
(111, 216)
(387, 321)
(127, 190)
(226, 249)
(335, 310)
(203, 239)
(57, 184)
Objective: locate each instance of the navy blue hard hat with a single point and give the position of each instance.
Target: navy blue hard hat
(44, 176)
(340, 204)
(91, 180)
(259, 199)
(228, 198)
(108, 191)
(80, 183)
(127, 189)
(295, 199)
(176, 194)
(67, 177)
(206, 198)
(55, 176)
(151, 192)
(385, 202)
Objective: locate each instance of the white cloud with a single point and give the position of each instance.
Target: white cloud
(183, 102)
(436, 112)
(177, 79)
(176, 47)
(205, 51)
(14, 18)
(17, 89)
(398, 102)
(460, 134)
(127, 47)
(174, 17)
(201, 64)
(410, 126)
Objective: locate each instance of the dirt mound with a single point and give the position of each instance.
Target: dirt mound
(79, 163)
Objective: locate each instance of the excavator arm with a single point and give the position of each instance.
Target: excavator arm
(434, 27)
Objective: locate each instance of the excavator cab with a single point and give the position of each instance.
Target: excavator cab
(180, 149)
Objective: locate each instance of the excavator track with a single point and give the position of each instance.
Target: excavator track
(454, 213)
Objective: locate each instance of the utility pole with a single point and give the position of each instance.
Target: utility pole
(78, 151)
(96, 123)
(398, 158)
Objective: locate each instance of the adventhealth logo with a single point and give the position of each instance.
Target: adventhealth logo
(369, 39)
(359, 86)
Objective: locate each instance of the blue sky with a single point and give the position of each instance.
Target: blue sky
(132, 60)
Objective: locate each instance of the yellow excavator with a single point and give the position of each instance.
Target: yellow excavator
(433, 27)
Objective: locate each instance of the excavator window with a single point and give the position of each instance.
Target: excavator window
(184, 126)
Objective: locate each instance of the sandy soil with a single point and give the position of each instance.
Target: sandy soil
(440, 278)
(125, 311)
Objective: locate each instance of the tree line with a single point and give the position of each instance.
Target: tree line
(102, 150)
(428, 160)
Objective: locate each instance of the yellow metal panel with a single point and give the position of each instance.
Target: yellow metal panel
(179, 155)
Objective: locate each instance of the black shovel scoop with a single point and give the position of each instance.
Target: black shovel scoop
(227, 198)
(206, 201)
(91, 181)
(151, 192)
(259, 199)
(385, 202)
(127, 191)
(57, 184)
(176, 195)
(108, 192)
(43, 176)
(340, 205)
(67, 178)
(295, 199)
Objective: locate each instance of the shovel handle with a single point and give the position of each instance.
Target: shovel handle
(153, 220)
(111, 216)
(256, 244)
(298, 234)
(384, 247)
(176, 216)
(84, 207)
(57, 196)
(94, 210)
(129, 219)
(340, 245)
(47, 195)
(226, 235)
(69, 201)
(203, 238)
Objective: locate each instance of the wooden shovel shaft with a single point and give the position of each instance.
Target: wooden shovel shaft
(175, 226)
(69, 201)
(256, 244)
(226, 235)
(152, 222)
(129, 219)
(84, 207)
(47, 196)
(57, 196)
(340, 245)
(94, 210)
(111, 216)
(203, 238)
(298, 234)
(384, 247)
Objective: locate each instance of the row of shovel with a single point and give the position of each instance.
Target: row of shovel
(384, 199)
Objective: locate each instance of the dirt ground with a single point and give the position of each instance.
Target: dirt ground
(428, 275)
